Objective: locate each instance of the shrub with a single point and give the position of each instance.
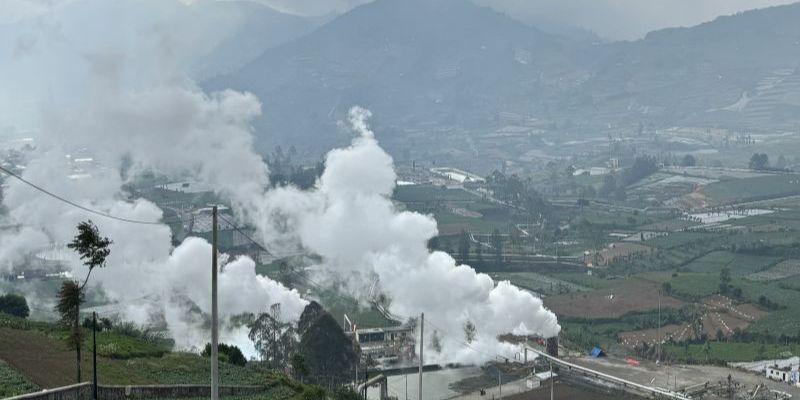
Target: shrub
(14, 305)
(145, 334)
(227, 353)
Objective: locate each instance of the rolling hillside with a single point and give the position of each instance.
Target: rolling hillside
(422, 64)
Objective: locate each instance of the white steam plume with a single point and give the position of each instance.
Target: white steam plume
(350, 221)
(132, 106)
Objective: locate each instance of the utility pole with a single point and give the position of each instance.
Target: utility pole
(214, 316)
(421, 337)
(552, 379)
(78, 333)
(500, 382)
(658, 354)
(94, 355)
(366, 379)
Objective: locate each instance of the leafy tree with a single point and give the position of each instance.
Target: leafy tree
(93, 250)
(642, 167)
(667, 287)
(609, 185)
(436, 342)
(91, 246)
(273, 339)
(469, 331)
(620, 194)
(287, 274)
(310, 313)
(781, 163)
(103, 324)
(345, 393)
(759, 161)
(463, 246)
(569, 172)
(497, 246)
(688, 161)
(327, 352)
(227, 353)
(433, 243)
(14, 305)
(299, 367)
(724, 280)
(587, 191)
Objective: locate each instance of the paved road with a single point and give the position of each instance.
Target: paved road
(678, 375)
(510, 388)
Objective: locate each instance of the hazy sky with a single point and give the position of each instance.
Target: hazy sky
(613, 19)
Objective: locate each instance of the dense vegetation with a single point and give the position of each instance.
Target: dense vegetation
(14, 305)
(226, 353)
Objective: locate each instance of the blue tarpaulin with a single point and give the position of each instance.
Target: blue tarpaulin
(596, 352)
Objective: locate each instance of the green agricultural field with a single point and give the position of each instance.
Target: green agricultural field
(431, 193)
(616, 219)
(109, 344)
(537, 282)
(678, 239)
(12, 383)
(750, 189)
(36, 357)
(729, 351)
(585, 280)
(450, 223)
(781, 322)
(697, 285)
(738, 264)
(694, 286)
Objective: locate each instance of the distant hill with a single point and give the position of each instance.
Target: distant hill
(220, 36)
(423, 63)
(413, 62)
(736, 71)
(250, 29)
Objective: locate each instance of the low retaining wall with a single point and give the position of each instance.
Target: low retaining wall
(78, 391)
(83, 391)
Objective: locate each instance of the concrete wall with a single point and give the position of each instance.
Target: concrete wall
(83, 391)
(72, 392)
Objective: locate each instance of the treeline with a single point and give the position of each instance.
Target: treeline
(640, 320)
(284, 169)
(614, 185)
(15, 305)
(517, 192)
(315, 350)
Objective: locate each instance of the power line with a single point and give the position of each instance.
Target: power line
(76, 205)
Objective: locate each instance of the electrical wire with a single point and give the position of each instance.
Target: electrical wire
(76, 205)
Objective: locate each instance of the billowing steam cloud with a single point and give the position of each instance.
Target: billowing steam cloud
(137, 112)
(350, 221)
(132, 112)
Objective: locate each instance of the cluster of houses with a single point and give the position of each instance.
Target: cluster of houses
(784, 371)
